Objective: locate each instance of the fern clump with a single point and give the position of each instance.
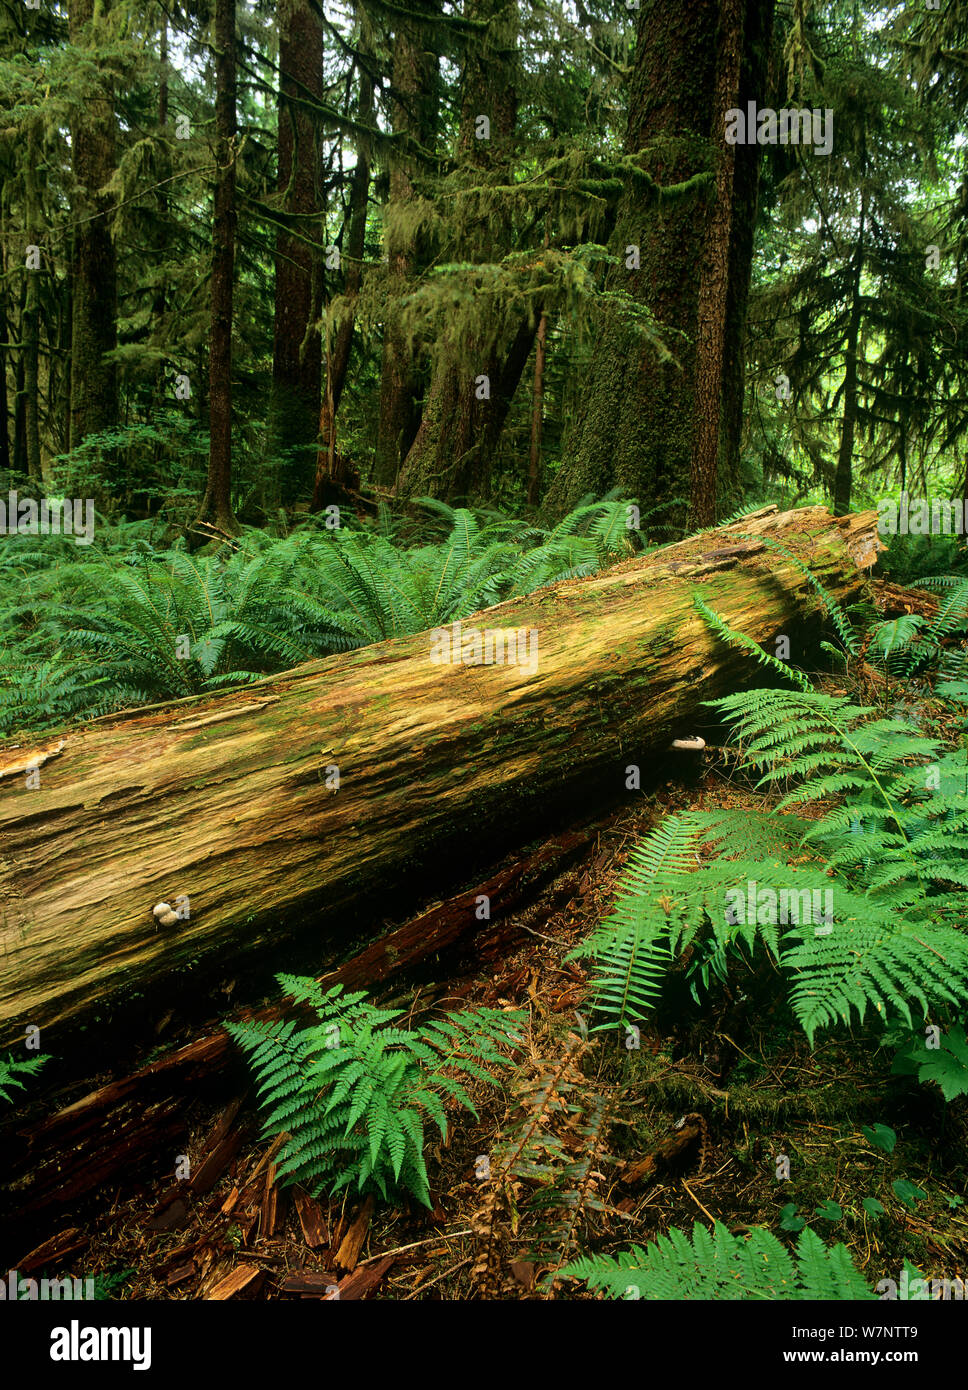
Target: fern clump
(352, 1090)
(715, 1265)
(11, 1071)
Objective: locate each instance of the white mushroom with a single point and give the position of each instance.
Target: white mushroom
(694, 744)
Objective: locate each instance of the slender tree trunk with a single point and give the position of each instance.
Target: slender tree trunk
(94, 385)
(20, 393)
(845, 457)
(537, 414)
(4, 415)
(296, 353)
(340, 341)
(216, 508)
(31, 321)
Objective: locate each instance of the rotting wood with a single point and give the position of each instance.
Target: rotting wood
(435, 761)
(97, 1138)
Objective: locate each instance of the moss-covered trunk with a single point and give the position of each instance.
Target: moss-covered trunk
(415, 88)
(686, 261)
(297, 348)
(292, 808)
(94, 385)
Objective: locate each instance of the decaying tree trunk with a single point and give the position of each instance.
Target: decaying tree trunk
(290, 808)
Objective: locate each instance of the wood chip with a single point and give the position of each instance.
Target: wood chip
(237, 1279)
(311, 1219)
(66, 1242)
(349, 1251)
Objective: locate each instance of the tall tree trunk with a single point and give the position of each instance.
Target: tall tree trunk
(714, 280)
(462, 419)
(537, 414)
(636, 428)
(20, 393)
(5, 459)
(94, 384)
(340, 342)
(845, 457)
(755, 79)
(31, 318)
(216, 508)
(415, 83)
(296, 350)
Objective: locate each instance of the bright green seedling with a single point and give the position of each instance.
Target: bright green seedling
(789, 1221)
(881, 1136)
(908, 1193)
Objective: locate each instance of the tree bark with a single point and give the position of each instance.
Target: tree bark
(414, 85)
(537, 414)
(637, 425)
(216, 508)
(297, 346)
(94, 382)
(714, 281)
(228, 808)
(451, 453)
(341, 340)
(843, 477)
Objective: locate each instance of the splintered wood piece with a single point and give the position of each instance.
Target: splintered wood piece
(66, 1242)
(309, 1281)
(214, 1165)
(228, 1206)
(349, 1251)
(364, 1280)
(663, 1152)
(180, 1273)
(270, 1207)
(311, 1219)
(237, 1279)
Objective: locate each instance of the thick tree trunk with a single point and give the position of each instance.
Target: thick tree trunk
(216, 508)
(414, 87)
(293, 807)
(94, 384)
(297, 347)
(637, 425)
(714, 281)
(462, 418)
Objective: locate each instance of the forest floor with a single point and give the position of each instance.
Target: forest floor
(702, 1119)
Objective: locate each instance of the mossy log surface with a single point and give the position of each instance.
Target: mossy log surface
(226, 802)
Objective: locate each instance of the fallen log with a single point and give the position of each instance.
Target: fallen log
(103, 1135)
(135, 848)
